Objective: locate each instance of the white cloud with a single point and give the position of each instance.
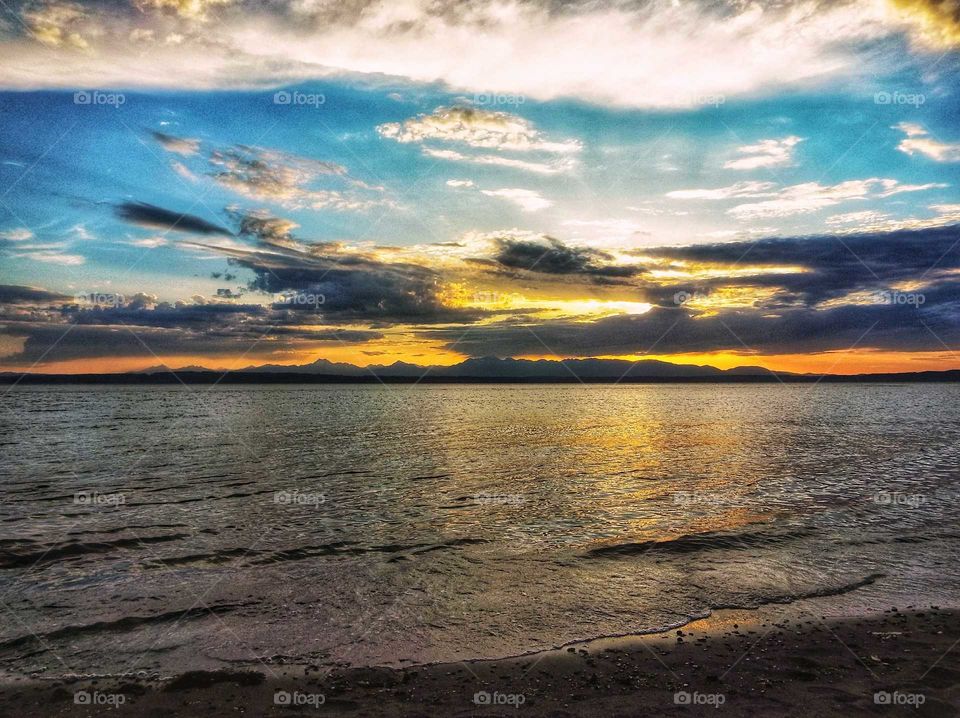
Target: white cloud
(614, 232)
(476, 128)
(546, 168)
(55, 257)
(866, 217)
(919, 141)
(799, 198)
(812, 196)
(656, 54)
(16, 235)
(460, 184)
(191, 9)
(526, 199)
(149, 242)
(184, 171)
(945, 215)
(766, 153)
(740, 189)
(56, 24)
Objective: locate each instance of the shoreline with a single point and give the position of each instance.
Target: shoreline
(779, 661)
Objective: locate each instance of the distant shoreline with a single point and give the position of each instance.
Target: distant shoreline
(213, 377)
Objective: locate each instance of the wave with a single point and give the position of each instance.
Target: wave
(119, 625)
(76, 549)
(706, 541)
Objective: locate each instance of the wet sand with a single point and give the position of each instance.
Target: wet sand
(778, 661)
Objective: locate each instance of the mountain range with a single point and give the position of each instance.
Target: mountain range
(497, 368)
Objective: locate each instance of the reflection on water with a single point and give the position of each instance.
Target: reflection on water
(162, 529)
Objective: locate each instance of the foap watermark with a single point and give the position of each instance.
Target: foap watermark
(298, 498)
(708, 100)
(684, 297)
(95, 98)
(96, 498)
(299, 99)
(894, 297)
(898, 698)
(96, 698)
(110, 300)
(488, 297)
(695, 698)
(898, 498)
(485, 698)
(492, 99)
(686, 498)
(296, 698)
(511, 499)
(914, 99)
(300, 299)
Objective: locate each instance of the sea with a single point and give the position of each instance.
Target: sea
(153, 530)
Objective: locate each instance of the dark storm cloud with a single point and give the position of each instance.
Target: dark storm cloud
(344, 285)
(148, 215)
(59, 342)
(846, 295)
(840, 299)
(356, 289)
(552, 256)
(14, 294)
(201, 316)
(834, 265)
(675, 330)
(140, 327)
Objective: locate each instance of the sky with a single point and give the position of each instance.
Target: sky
(229, 183)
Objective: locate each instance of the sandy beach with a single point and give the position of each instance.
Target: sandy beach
(774, 662)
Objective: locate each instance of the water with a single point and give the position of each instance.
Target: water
(166, 529)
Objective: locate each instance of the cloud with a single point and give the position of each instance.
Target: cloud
(812, 196)
(545, 168)
(548, 255)
(861, 219)
(607, 52)
(835, 296)
(180, 145)
(919, 141)
(766, 153)
(16, 235)
(56, 24)
(665, 330)
(830, 266)
(149, 242)
(526, 199)
(288, 180)
(357, 284)
(153, 217)
(800, 198)
(608, 232)
(143, 327)
(190, 9)
(184, 171)
(16, 294)
(774, 295)
(933, 23)
(55, 257)
(740, 189)
(476, 128)
(943, 215)
(460, 184)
